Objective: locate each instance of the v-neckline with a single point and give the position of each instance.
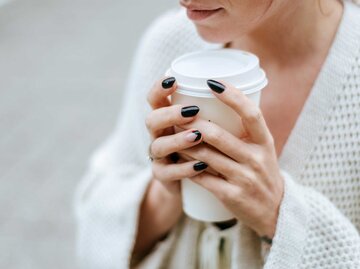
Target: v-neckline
(303, 136)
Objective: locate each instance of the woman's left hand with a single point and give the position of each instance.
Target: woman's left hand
(249, 182)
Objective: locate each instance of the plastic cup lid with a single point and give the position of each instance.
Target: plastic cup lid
(236, 67)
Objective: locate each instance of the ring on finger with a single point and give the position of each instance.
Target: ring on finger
(151, 156)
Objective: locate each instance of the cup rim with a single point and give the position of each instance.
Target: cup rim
(252, 64)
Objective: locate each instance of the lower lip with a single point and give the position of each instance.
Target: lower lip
(197, 15)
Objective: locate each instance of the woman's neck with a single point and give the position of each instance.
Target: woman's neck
(287, 38)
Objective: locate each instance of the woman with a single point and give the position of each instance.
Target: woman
(293, 183)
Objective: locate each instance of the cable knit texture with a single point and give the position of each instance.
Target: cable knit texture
(319, 220)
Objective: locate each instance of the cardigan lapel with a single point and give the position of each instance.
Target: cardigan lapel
(312, 118)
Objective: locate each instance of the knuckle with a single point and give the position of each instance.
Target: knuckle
(156, 149)
(196, 175)
(233, 197)
(201, 153)
(148, 121)
(256, 162)
(155, 172)
(248, 183)
(179, 142)
(231, 172)
(254, 115)
(177, 112)
(236, 98)
(224, 196)
(159, 171)
(215, 134)
(168, 116)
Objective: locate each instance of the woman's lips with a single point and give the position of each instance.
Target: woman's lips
(197, 15)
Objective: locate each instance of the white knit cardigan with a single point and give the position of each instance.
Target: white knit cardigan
(319, 219)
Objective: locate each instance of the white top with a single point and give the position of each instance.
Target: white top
(319, 220)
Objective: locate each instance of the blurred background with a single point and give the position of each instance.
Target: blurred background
(63, 65)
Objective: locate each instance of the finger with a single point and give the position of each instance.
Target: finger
(165, 117)
(166, 172)
(222, 189)
(249, 112)
(208, 170)
(221, 139)
(165, 145)
(158, 94)
(235, 173)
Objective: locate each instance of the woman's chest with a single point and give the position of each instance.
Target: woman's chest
(281, 106)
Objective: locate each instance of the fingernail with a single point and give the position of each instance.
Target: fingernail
(200, 166)
(193, 136)
(168, 82)
(216, 86)
(189, 111)
(174, 157)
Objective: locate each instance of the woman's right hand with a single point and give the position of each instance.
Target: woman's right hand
(161, 208)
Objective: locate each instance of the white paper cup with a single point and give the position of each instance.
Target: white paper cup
(191, 71)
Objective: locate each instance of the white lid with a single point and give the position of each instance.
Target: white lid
(236, 67)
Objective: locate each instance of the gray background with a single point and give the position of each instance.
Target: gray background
(63, 64)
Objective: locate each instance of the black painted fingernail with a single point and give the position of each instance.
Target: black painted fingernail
(168, 82)
(194, 136)
(216, 86)
(200, 166)
(189, 111)
(174, 157)
(198, 135)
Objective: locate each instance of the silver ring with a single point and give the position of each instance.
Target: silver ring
(150, 156)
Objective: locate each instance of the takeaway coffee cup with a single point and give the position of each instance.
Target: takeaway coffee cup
(191, 71)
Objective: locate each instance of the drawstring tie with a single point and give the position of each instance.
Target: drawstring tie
(215, 248)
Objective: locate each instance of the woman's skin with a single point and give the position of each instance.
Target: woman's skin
(292, 39)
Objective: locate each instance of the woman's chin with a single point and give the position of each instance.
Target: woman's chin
(212, 36)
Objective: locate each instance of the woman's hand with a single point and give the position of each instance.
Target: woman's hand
(161, 207)
(249, 182)
(160, 122)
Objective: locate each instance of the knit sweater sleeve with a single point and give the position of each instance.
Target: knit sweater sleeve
(109, 196)
(311, 232)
